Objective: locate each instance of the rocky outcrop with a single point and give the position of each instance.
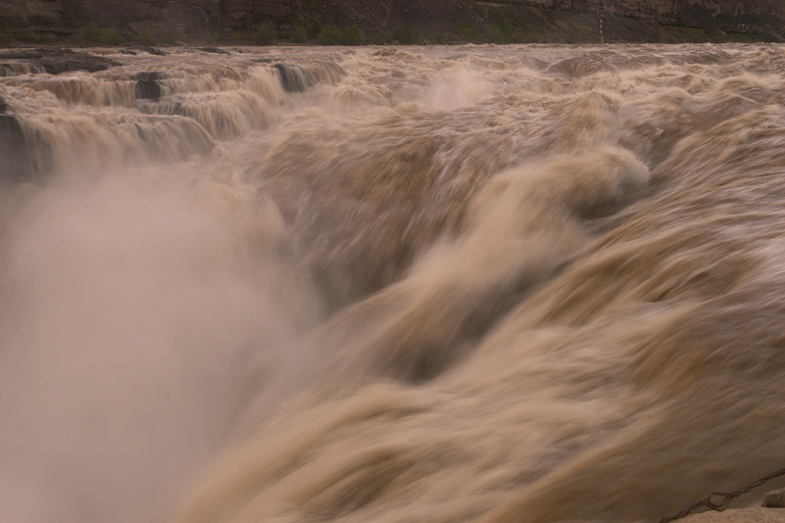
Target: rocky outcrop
(61, 63)
(774, 499)
(147, 86)
(56, 61)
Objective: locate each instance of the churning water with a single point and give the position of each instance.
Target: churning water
(522, 283)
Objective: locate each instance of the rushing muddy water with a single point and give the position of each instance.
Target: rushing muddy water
(496, 284)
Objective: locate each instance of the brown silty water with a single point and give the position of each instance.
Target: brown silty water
(522, 283)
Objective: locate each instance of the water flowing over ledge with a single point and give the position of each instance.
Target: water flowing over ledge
(522, 283)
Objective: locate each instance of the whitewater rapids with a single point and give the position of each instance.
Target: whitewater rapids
(532, 284)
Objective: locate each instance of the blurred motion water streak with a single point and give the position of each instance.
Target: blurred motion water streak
(524, 283)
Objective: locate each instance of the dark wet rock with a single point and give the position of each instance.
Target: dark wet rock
(56, 64)
(581, 66)
(213, 50)
(14, 161)
(21, 55)
(34, 54)
(153, 50)
(294, 79)
(775, 498)
(147, 86)
(127, 51)
(56, 61)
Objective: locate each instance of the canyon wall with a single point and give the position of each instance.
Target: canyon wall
(433, 16)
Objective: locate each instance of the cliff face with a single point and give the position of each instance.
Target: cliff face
(116, 13)
(110, 13)
(18, 12)
(670, 10)
(433, 16)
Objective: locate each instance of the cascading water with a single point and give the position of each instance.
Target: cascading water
(521, 283)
